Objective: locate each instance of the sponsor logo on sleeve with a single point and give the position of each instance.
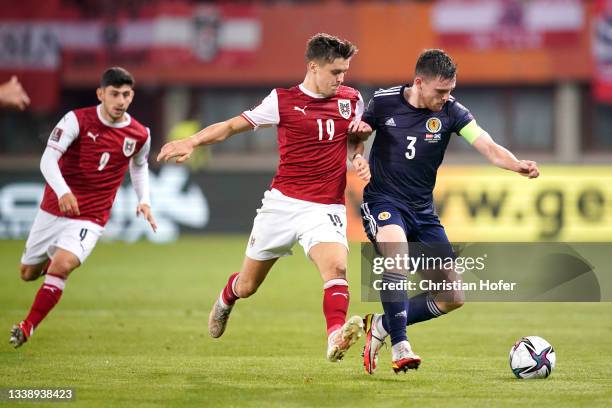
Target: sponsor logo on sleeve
(56, 135)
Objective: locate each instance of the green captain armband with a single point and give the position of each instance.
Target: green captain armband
(471, 131)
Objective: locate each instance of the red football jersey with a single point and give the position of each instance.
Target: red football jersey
(96, 156)
(312, 140)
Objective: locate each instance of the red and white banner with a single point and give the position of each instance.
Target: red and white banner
(36, 49)
(487, 24)
(602, 51)
(32, 53)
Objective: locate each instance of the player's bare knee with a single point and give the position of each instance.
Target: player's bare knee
(28, 272)
(337, 270)
(27, 276)
(61, 268)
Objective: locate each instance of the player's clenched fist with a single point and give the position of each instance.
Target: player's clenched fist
(68, 205)
(179, 149)
(528, 169)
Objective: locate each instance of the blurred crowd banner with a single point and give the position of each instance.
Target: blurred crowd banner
(173, 42)
(485, 24)
(570, 204)
(602, 51)
(168, 35)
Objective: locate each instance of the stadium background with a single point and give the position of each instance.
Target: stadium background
(536, 74)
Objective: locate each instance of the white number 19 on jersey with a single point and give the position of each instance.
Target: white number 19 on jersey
(329, 125)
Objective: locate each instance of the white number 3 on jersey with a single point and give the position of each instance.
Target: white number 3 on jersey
(104, 160)
(411, 150)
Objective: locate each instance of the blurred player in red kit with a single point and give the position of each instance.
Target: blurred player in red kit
(87, 155)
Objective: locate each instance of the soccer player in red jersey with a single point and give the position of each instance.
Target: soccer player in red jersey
(318, 127)
(87, 156)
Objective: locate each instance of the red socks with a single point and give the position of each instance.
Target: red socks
(228, 295)
(335, 303)
(47, 297)
(335, 300)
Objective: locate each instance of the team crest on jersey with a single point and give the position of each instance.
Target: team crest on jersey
(433, 125)
(129, 146)
(344, 107)
(385, 215)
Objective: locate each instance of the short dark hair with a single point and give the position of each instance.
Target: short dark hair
(325, 47)
(116, 76)
(435, 63)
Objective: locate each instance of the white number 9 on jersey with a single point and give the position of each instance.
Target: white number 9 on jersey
(104, 160)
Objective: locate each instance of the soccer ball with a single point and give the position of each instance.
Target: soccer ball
(532, 357)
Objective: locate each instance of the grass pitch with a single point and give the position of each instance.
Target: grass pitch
(130, 330)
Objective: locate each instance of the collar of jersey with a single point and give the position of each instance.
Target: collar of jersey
(310, 93)
(111, 124)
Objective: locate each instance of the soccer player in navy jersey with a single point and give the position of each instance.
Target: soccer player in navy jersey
(414, 124)
(316, 120)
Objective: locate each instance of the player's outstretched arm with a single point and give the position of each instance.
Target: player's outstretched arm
(503, 158)
(355, 149)
(181, 149)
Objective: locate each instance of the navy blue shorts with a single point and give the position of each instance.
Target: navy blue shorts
(420, 226)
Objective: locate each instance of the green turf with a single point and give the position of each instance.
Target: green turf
(131, 331)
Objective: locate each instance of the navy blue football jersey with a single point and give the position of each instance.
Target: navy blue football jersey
(409, 146)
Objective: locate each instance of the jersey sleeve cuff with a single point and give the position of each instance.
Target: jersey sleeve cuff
(61, 190)
(246, 117)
